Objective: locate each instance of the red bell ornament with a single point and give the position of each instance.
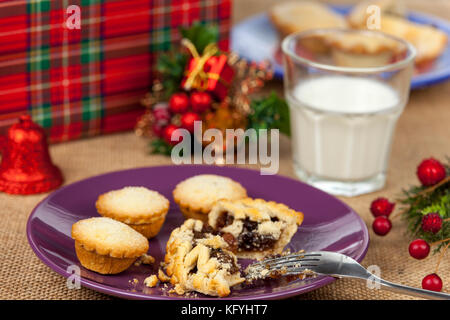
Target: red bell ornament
(26, 167)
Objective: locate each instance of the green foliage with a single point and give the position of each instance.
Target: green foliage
(171, 67)
(271, 112)
(420, 201)
(159, 146)
(201, 35)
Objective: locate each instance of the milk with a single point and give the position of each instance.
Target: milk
(342, 127)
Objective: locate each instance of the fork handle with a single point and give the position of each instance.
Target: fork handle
(399, 288)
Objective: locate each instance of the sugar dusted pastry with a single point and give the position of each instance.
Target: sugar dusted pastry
(142, 209)
(289, 17)
(197, 195)
(107, 246)
(197, 260)
(254, 228)
(429, 41)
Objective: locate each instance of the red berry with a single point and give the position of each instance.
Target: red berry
(162, 116)
(432, 222)
(432, 282)
(381, 207)
(188, 119)
(430, 171)
(419, 249)
(179, 103)
(381, 225)
(167, 134)
(200, 101)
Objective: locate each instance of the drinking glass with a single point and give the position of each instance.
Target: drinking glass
(346, 90)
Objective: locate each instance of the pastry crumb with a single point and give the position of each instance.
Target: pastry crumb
(151, 281)
(162, 276)
(144, 259)
(178, 289)
(147, 259)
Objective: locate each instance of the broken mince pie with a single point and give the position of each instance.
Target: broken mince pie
(254, 228)
(198, 260)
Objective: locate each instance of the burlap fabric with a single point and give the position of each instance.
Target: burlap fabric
(423, 130)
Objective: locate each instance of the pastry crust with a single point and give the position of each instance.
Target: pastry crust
(259, 227)
(103, 264)
(197, 260)
(197, 195)
(289, 17)
(106, 236)
(132, 205)
(150, 230)
(107, 246)
(428, 41)
(142, 209)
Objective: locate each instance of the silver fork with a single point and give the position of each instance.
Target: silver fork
(332, 264)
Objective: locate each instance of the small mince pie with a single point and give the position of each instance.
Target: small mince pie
(198, 260)
(196, 195)
(254, 228)
(107, 246)
(142, 209)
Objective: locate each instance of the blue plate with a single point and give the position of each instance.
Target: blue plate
(255, 39)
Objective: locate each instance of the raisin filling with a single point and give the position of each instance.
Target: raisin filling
(251, 240)
(224, 220)
(202, 233)
(224, 258)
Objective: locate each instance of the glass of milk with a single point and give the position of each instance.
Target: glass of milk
(346, 90)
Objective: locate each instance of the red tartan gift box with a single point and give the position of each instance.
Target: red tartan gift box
(87, 81)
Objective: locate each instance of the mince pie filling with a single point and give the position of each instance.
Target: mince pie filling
(249, 239)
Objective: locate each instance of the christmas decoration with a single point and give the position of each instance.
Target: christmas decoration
(200, 82)
(188, 119)
(200, 101)
(432, 282)
(179, 103)
(167, 134)
(26, 167)
(426, 209)
(431, 222)
(430, 171)
(381, 207)
(381, 225)
(419, 249)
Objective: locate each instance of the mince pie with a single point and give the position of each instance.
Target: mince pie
(142, 209)
(197, 195)
(197, 259)
(107, 246)
(254, 228)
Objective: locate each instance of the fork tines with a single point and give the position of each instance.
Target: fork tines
(293, 264)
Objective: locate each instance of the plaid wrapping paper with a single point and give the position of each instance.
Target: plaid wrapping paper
(82, 82)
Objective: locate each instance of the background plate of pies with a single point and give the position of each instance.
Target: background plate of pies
(328, 224)
(258, 39)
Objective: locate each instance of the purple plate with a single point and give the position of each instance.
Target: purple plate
(329, 224)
